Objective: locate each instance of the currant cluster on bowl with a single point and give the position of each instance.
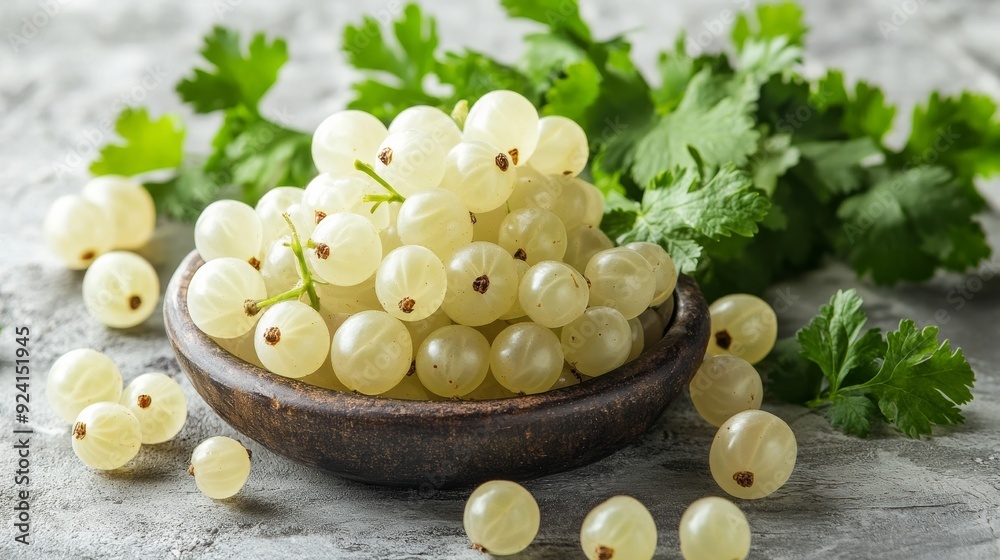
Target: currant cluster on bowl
(110, 425)
(468, 257)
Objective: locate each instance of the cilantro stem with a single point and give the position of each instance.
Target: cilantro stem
(393, 195)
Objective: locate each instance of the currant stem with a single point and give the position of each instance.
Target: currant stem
(393, 195)
(294, 293)
(300, 261)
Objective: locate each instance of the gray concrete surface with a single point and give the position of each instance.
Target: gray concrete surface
(885, 497)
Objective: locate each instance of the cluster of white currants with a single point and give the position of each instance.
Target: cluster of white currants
(84, 388)
(94, 230)
(469, 256)
(502, 517)
(752, 455)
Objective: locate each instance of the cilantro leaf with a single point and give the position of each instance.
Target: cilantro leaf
(572, 94)
(559, 15)
(834, 339)
(915, 381)
(186, 194)
(148, 145)
(680, 209)
(474, 74)
(835, 167)
(238, 77)
(775, 155)
(907, 224)
(863, 114)
(770, 21)
(722, 132)
(960, 133)
(397, 65)
(921, 382)
(852, 414)
(762, 59)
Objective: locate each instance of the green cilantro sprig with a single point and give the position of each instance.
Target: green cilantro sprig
(251, 153)
(906, 377)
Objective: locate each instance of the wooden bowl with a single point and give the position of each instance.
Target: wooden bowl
(437, 444)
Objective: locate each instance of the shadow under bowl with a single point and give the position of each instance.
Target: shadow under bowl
(449, 443)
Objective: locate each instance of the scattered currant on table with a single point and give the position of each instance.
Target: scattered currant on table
(501, 518)
(220, 467)
(753, 454)
(158, 403)
(121, 289)
(106, 435)
(743, 325)
(80, 378)
(723, 386)
(77, 230)
(621, 527)
(714, 529)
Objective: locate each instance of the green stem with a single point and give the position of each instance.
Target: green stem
(393, 195)
(300, 260)
(254, 307)
(818, 402)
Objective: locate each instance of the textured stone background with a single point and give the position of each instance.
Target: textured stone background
(886, 497)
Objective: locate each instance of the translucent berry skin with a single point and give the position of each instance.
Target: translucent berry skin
(562, 147)
(453, 361)
(229, 228)
(411, 161)
(431, 120)
(482, 284)
(411, 283)
(598, 341)
(713, 528)
(508, 121)
(480, 174)
(128, 204)
(270, 208)
(158, 402)
(344, 137)
(77, 230)
(501, 518)
(742, 325)
(723, 386)
(371, 352)
(220, 466)
(664, 269)
(753, 454)
(106, 435)
(217, 296)
(80, 378)
(347, 249)
(526, 358)
(621, 279)
(291, 339)
(619, 528)
(553, 294)
(121, 289)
